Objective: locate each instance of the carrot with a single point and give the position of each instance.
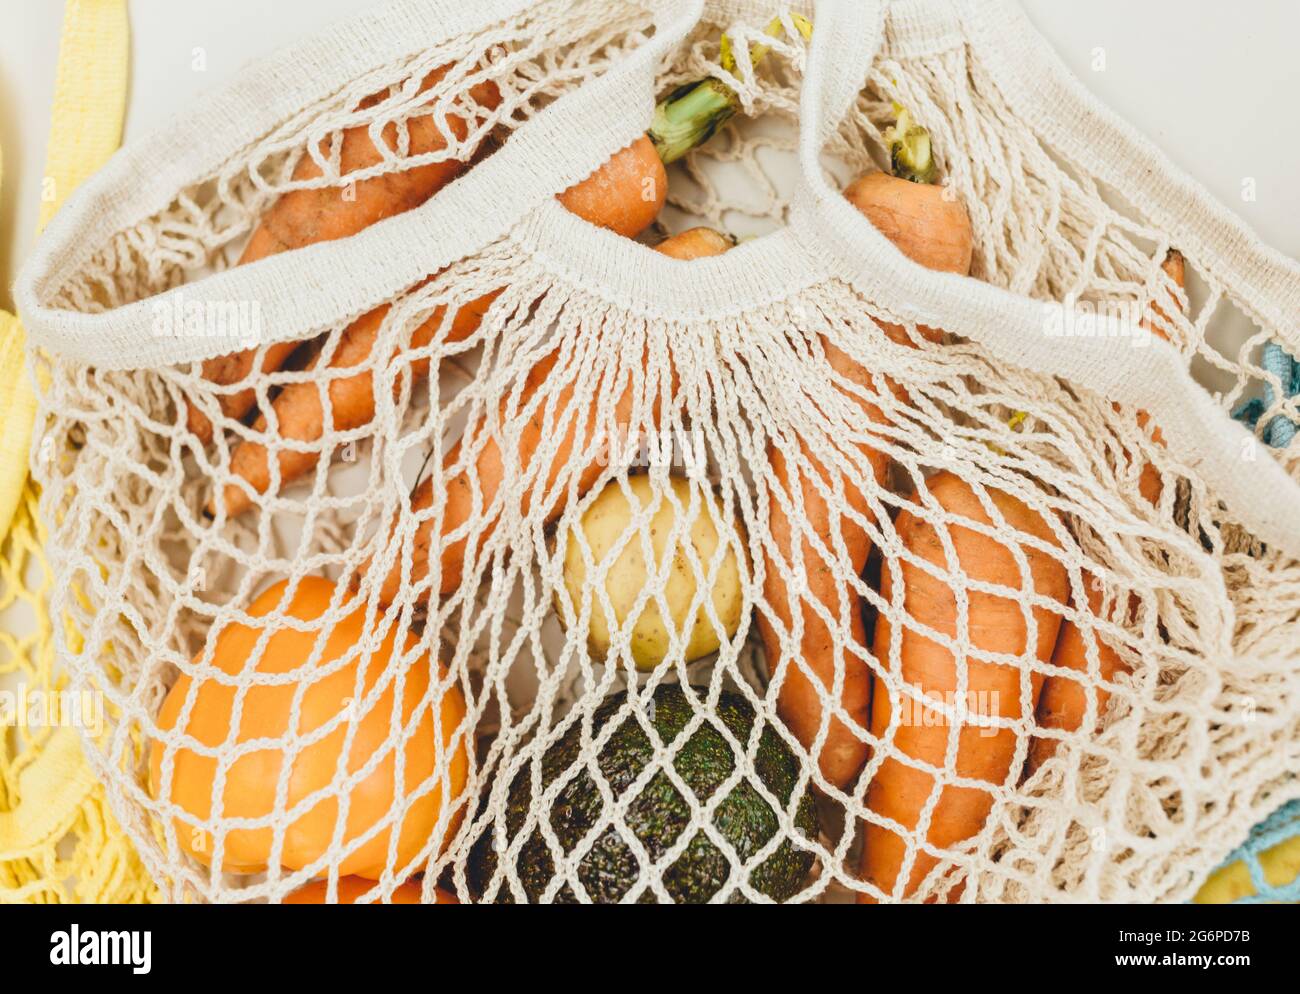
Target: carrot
(695, 243)
(918, 216)
(935, 232)
(1064, 702)
(299, 409)
(307, 216)
(922, 225)
(624, 195)
(909, 208)
(799, 701)
(489, 468)
(993, 624)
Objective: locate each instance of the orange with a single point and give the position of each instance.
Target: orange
(351, 888)
(251, 781)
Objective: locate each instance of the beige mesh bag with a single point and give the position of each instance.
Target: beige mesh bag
(655, 580)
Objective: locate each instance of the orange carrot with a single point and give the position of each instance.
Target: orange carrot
(489, 469)
(352, 888)
(624, 195)
(695, 243)
(993, 624)
(320, 214)
(935, 232)
(799, 702)
(300, 414)
(1063, 704)
(636, 171)
(924, 224)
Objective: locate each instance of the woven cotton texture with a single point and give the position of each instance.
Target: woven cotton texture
(784, 414)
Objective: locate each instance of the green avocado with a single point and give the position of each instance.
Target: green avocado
(658, 815)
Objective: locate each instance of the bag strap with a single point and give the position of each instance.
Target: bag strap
(55, 788)
(1048, 97)
(303, 292)
(1011, 327)
(85, 128)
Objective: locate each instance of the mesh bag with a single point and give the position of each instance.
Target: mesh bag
(663, 581)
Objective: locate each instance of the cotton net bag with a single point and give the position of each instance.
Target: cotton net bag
(427, 664)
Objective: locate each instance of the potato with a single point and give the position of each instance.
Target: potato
(607, 528)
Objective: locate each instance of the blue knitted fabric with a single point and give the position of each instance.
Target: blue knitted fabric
(1282, 824)
(1279, 431)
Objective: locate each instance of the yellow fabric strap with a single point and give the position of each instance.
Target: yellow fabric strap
(89, 97)
(60, 777)
(85, 129)
(58, 840)
(17, 414)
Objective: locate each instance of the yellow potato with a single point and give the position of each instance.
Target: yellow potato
(607, 528)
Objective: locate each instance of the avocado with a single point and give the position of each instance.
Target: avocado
(658, 815)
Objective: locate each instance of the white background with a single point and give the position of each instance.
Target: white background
(1213, 84)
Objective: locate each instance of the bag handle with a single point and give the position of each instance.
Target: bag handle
(1057, 106)
(1011, 327)
(303, 292)
(85, 128)
(55, 784)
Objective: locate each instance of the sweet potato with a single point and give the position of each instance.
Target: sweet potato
(934, 231)
(992, 623)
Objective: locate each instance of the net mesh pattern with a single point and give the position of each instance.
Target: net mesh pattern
(875, 499)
